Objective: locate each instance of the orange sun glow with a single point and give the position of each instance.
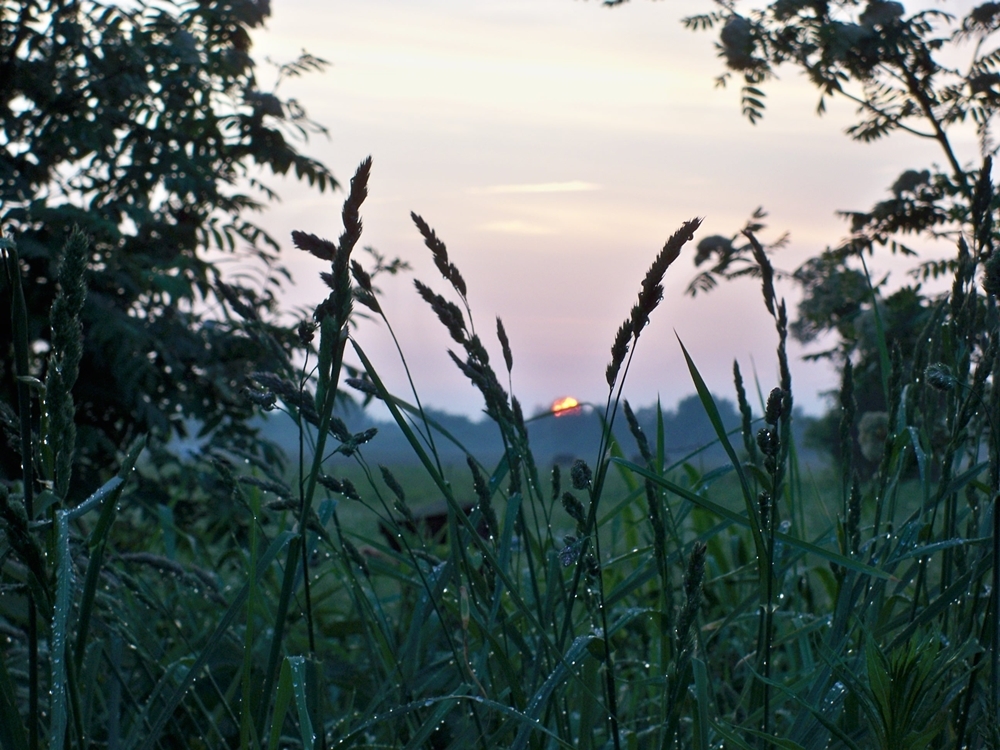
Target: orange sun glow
(567, 405)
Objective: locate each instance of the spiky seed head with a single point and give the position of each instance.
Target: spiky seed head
(306, 332)
(391, 483)
(637, 433)
(266, 400)
(322, 249)
(352, 208)
(766, 270)
(355, 556)
(767, 441)
(339, 430)
(574, 508)
(580, 474)
(618, 351)
(439, 252)
(447, 312)
(508, 358)
(939, 377)
(570, 553)
(652, 285)
(361, 276)
(764, 506)
(360, 384)
(772, 413)
(341, 486)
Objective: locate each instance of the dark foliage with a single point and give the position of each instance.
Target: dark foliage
(146, 127)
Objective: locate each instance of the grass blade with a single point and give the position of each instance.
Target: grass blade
(297, 665)
(708, 403)
(281, 702)
(214, 641)
(108, 497)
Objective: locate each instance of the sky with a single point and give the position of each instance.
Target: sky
(554, 146)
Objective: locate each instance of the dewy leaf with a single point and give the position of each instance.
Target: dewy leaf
(298, 674)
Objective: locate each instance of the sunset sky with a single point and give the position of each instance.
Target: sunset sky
(554, 145)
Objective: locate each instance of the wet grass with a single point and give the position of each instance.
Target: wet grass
(233, 602)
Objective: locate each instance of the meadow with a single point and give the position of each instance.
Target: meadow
(625, 601)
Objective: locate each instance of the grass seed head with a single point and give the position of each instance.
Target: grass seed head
(440, 253)
(508, 358)
(772, 413)
(447, 312)
(351, 212)
(360, 384)
(391, 483)
(618, 351)
(574, 508)
(322, 249)
(340, 486)
(638, 434)
(580, 474)
(652, 285)
(939, 377)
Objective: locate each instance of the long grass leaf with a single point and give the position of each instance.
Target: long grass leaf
(281, 703)
(708, 404)
(431, 723)
(297, 665)
(60, 625)
(703, 705)
(107, 497)
(539, 700)
(280, 616)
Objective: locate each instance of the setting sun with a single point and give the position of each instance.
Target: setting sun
(566, 405)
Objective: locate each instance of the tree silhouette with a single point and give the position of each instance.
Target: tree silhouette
(145, 125)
